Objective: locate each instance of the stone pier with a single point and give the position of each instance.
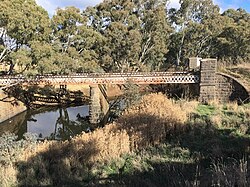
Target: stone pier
(208, 68)
(220, 87)
(98, 104)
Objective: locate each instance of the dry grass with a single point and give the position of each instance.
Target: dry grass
(145, 124)
(142, 125)
(231, 116)
(107, 143)
(217, 120)
(246, 112)
(148, 121)
(155, 117)
(217, 104)
(53, 160)
(234, 173)
(100, 145)
(245, 66)
(8, 176)
(160, 106)
(233, 106)
(241, 72)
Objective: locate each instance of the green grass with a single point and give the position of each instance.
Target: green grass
(205, 111)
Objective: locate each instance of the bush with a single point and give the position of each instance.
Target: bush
(150, 121)
(12, 151)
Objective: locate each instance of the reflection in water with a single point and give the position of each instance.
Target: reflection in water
(61, 123)
(14, 125)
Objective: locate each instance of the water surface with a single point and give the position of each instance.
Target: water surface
(54, 123)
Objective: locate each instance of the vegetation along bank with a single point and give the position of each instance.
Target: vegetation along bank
(157, 141)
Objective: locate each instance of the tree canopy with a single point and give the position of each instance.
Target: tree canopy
(119, 36)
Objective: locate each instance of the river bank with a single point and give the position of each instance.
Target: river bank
(10, 107)
(155, 142)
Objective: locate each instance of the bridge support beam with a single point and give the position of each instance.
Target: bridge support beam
(98, 104)
(208, 68)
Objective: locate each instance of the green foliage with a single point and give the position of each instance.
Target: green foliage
(22, 58)
(194, 30)
(238, 121)
(21, 21)
(145, 160)
(234, 39)
(202, 31)
(136, 34)
(230, 116)
(24, 20)
(119, 36)
(75, 45)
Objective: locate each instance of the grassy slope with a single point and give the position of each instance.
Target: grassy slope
(213, 150)
(157, 142)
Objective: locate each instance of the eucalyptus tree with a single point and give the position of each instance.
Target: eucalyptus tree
(73, 42)
(194, 29)
(156, 31)
(234, 40)
(120, 28)
(136, 33)
(21, 22)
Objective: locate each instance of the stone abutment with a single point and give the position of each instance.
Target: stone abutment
(216, 86)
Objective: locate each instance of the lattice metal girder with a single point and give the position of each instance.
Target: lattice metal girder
(5, 83)
(120, 80)
(152, 78)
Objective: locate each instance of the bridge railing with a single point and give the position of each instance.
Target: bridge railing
(96, 75)
(105, 78)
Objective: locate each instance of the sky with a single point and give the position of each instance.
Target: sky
(52, 5)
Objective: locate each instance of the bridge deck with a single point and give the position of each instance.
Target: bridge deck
(104, 78)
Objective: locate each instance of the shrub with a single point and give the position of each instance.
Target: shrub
(102, 144)
(150, 121)
(12, 151)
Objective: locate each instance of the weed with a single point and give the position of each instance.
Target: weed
(230, 173)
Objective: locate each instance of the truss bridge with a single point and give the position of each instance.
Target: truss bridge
(103, 78)
(211, 84)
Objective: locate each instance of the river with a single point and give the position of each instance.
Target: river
(58, 123)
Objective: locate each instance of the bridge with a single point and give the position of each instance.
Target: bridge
(98, 102)
(212, 84)
(104, 78)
